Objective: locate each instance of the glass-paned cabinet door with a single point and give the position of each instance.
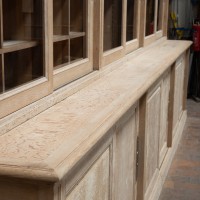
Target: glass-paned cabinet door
(71, 46)
(22, 47)
(150, 17)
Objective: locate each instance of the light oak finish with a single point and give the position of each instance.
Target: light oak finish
(91, 135)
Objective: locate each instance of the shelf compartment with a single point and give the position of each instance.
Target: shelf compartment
(77, 15)
(16, 45)
(61, 53)
(23, 21)
(58, 38)
(77, 49)
(23, 66)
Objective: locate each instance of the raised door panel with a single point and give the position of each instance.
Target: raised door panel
(152, 139)
(124, 157)
(95, 185)
(164, 118)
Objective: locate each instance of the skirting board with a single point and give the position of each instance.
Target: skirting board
(168, 159)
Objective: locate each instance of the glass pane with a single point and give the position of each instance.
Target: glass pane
(112, 24)
(159, 18)
(61, 17)
(22, 20)
(23, 66)
(77, 15)
(76, 49)
(69, 31)
(150, 17)
(131, 21)
(61, 53)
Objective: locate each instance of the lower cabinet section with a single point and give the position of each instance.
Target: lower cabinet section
(130, 161)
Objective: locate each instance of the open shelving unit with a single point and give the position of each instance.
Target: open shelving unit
(21, 46)
(69, 29)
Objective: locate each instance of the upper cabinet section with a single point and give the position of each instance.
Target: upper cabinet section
(46, 44)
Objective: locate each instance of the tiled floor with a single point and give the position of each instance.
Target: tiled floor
(183, 180)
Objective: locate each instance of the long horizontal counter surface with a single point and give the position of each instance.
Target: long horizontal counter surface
(50, 144)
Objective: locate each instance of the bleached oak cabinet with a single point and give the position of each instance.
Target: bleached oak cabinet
(112, 131)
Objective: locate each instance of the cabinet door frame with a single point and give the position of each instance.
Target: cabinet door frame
(70, 72)
(26, 94)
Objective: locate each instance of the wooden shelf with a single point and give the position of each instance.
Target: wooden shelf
(59, 38)
(16, 45)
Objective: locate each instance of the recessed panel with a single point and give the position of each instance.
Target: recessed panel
(96, 182)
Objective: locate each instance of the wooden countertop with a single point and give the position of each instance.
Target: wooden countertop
(48, 146)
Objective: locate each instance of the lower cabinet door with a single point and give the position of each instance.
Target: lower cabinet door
(124, 158)
(151, 171)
